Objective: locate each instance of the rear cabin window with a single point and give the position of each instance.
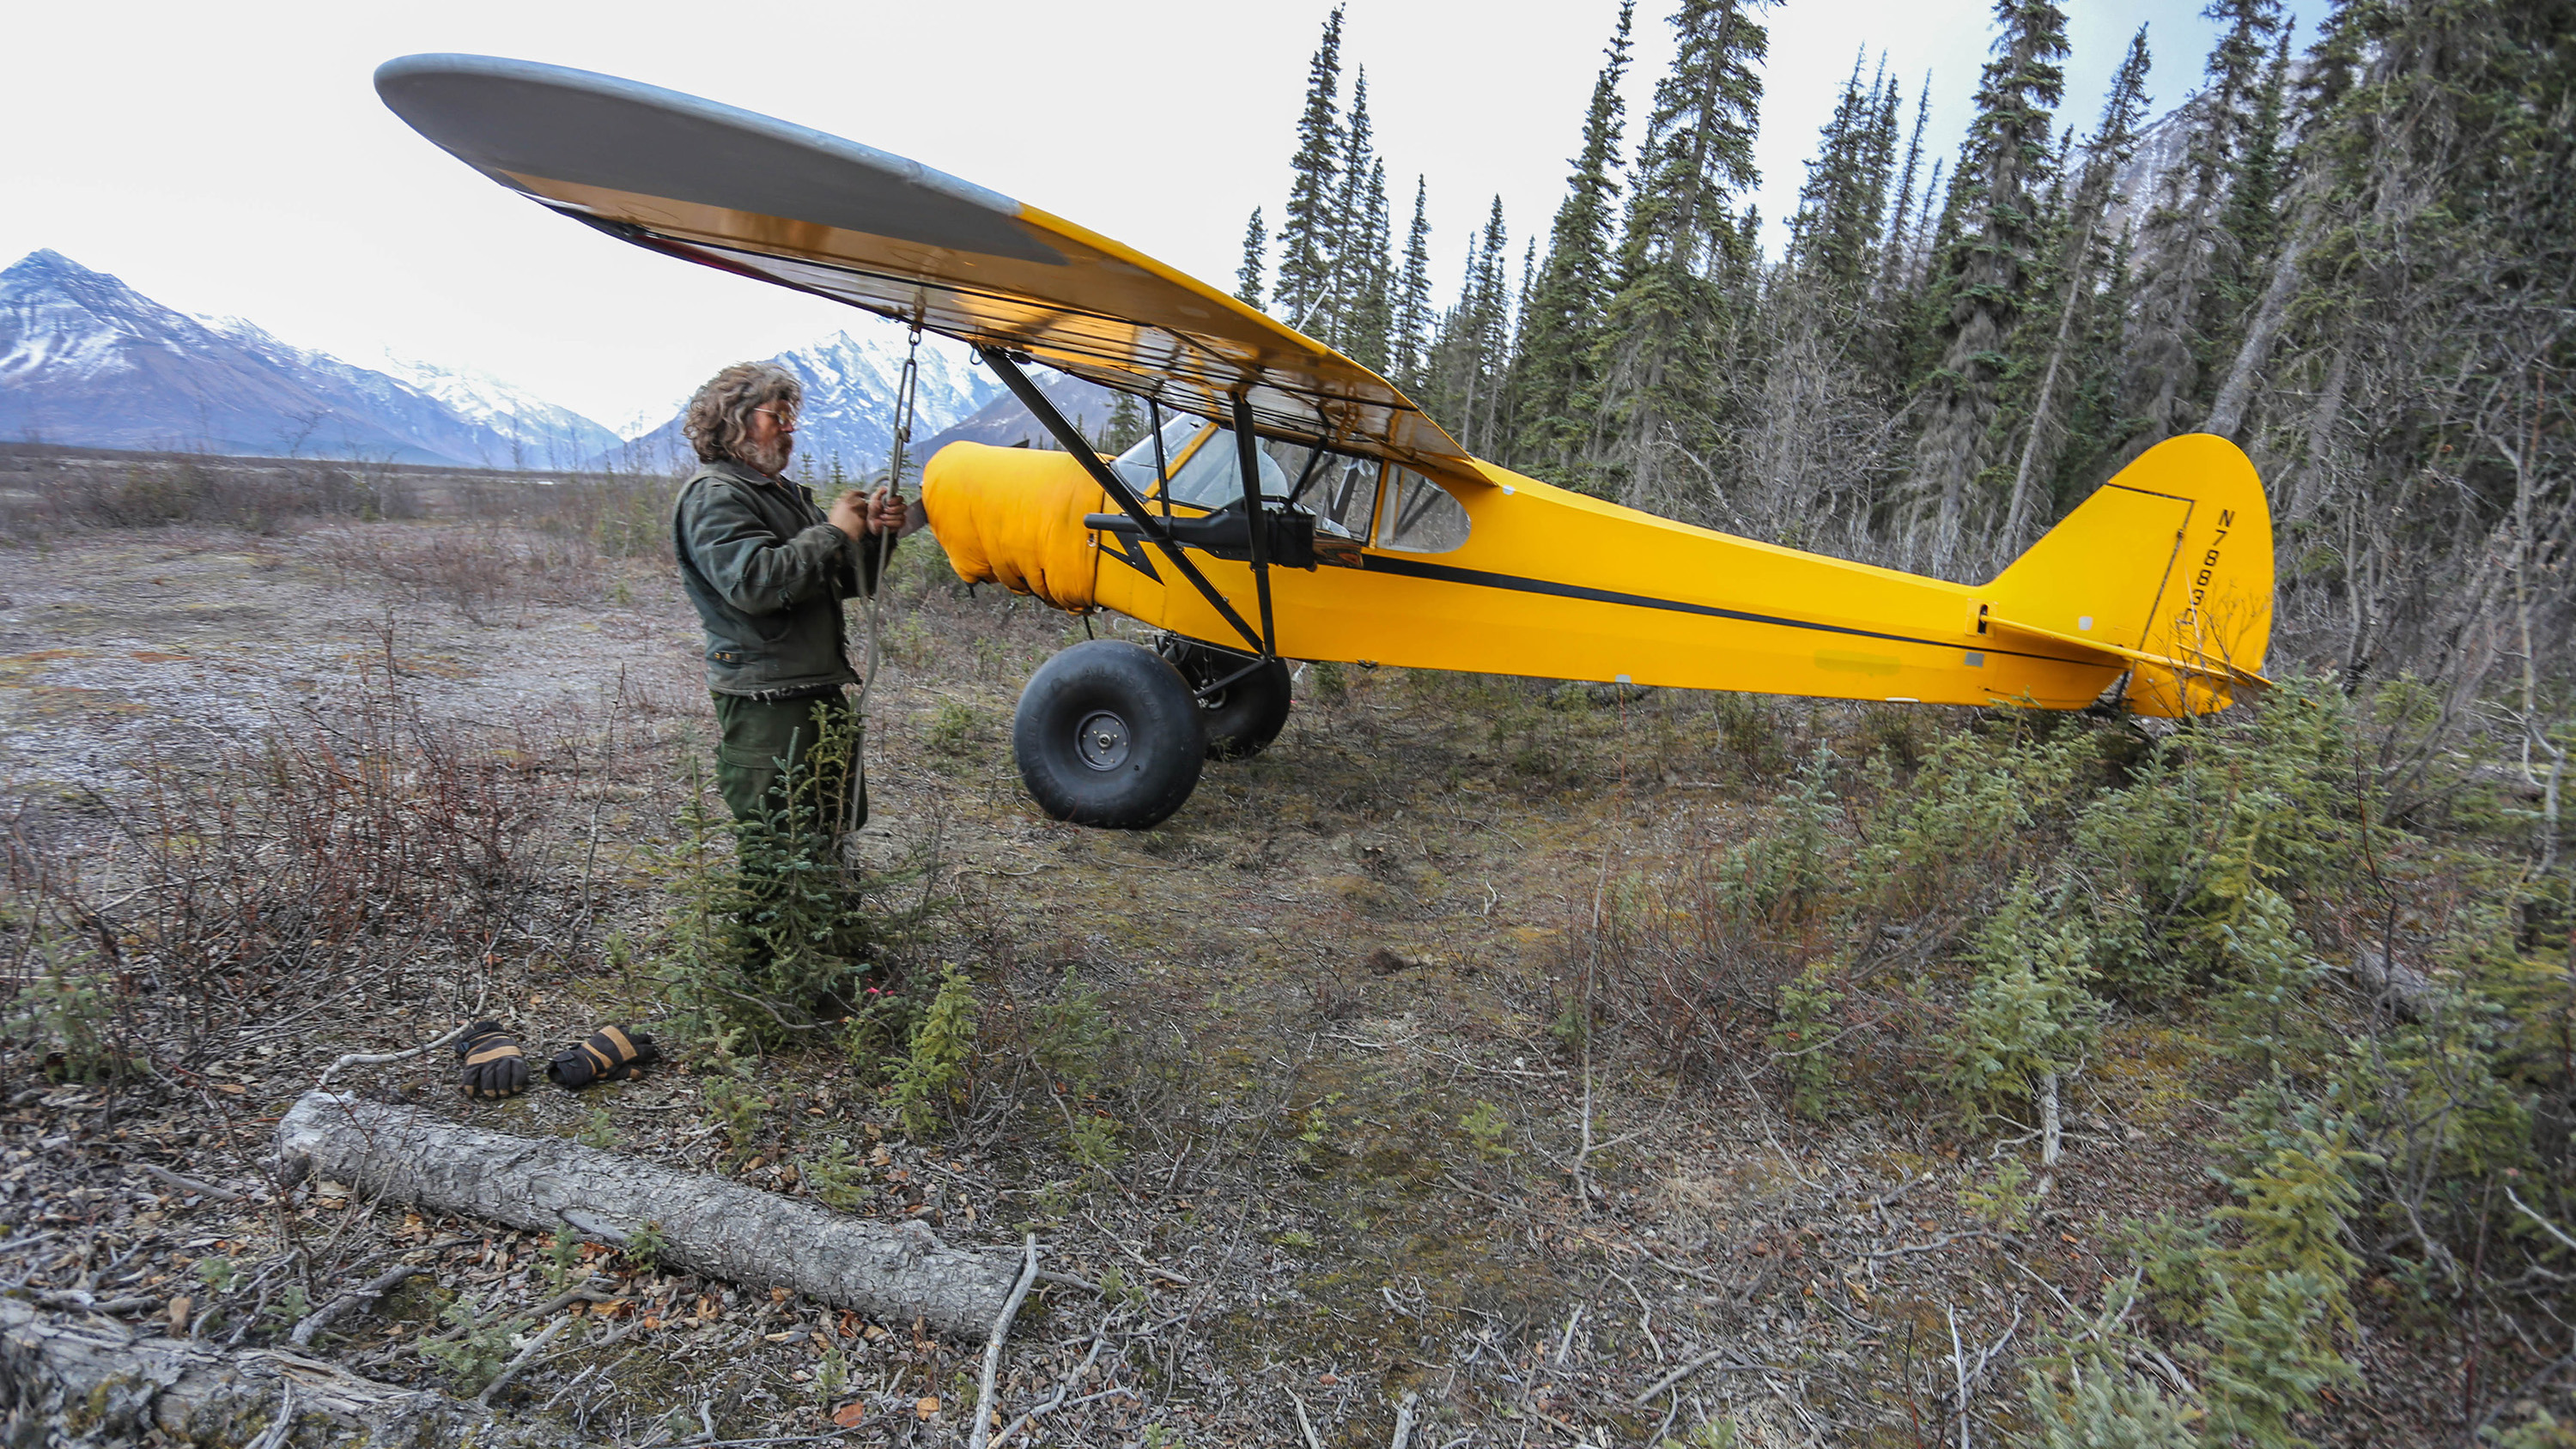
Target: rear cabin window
(1419, 516)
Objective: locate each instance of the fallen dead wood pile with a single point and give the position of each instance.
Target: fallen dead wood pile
(63, 1381)
(701, 1223)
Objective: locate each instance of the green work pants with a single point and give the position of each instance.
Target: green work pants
(764, 740)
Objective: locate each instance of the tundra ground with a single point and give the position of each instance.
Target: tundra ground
(1406, 1073)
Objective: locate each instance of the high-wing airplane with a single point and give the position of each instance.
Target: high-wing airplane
(1287, 503)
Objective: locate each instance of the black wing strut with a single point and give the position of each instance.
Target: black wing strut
(1125, 497)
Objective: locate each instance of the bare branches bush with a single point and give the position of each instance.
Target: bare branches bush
(358, 853)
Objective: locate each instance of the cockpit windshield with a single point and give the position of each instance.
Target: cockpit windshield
(1136, 465)
(1212, 476)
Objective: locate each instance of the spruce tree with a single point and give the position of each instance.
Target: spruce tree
(1659, 347)
(1896, 276)
(1562, 307)
(2256, 221)
(1347, 273)
(1936, 222)
(2095, 417)
(2184, 247)
(1368, 321)
(1307, 233)
(1247, 278)
(2249, 220)
(1984, 275)
(1507, 413)
(1833, 238)
(2081, 267)
(1125, 425)
(1448, 380)
(1469, 360)
(1923, 310)
(1409, 342)
(1493, 321)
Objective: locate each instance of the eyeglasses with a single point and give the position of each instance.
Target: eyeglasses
(783, 418)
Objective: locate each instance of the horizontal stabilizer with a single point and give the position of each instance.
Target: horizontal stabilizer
(2206, 669)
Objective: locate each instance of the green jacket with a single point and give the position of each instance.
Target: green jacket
(767, 575)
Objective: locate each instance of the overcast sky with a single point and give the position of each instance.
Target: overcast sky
(234, 159)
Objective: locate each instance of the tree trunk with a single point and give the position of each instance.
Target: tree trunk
(66, 1382)
(2227, 414)
(704, 1223)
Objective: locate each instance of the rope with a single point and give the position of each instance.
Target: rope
(869, 609)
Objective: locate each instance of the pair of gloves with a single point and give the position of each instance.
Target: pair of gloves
(495, 1067)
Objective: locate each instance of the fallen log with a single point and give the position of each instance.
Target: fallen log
(66, 1382)
(702, 1223)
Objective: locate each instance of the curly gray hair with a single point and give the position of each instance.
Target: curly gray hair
(718, 420)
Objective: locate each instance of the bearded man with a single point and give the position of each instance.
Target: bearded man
(767, 569)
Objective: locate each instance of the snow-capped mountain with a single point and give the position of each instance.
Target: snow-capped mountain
(86, 360)
(848, 416)
(1006, 423)
(547, 435)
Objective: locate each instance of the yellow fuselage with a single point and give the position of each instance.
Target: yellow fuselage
(1555, 584)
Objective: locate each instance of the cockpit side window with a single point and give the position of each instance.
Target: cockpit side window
(1213, 478)
(1419, 516)
(1340, 488)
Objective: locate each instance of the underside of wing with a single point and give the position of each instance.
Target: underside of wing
(746, 193)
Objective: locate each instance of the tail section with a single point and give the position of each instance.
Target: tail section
(2167, 567)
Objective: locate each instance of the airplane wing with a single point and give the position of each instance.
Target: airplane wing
(749, 194)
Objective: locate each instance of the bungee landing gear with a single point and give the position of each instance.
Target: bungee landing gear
(1244, 700)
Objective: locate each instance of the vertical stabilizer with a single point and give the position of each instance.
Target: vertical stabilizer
(2168, 567)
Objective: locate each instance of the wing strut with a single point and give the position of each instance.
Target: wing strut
(1247, 456)
(1122, 495)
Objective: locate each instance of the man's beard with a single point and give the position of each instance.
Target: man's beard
(771, 459)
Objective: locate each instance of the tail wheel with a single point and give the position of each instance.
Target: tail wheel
(1108, 734)
(1245, 715)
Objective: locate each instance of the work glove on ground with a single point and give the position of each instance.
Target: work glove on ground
(493, 1064)
(611, 1055)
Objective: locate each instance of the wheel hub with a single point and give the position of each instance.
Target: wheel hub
(1102, 740)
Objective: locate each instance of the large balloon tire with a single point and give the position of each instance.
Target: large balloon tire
(1246, 715)
(1109, 734)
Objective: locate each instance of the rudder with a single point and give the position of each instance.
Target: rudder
(2168, 566)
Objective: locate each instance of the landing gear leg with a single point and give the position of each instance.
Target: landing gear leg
(1244, 713)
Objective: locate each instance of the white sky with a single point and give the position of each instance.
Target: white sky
(234, 159)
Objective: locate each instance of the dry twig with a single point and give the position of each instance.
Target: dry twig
(993, 1347)
(377, 1059)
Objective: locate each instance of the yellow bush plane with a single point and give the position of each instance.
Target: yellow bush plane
(1287, 503)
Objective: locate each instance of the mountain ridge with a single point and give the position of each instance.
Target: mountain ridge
(87, 360)
(848, 415)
